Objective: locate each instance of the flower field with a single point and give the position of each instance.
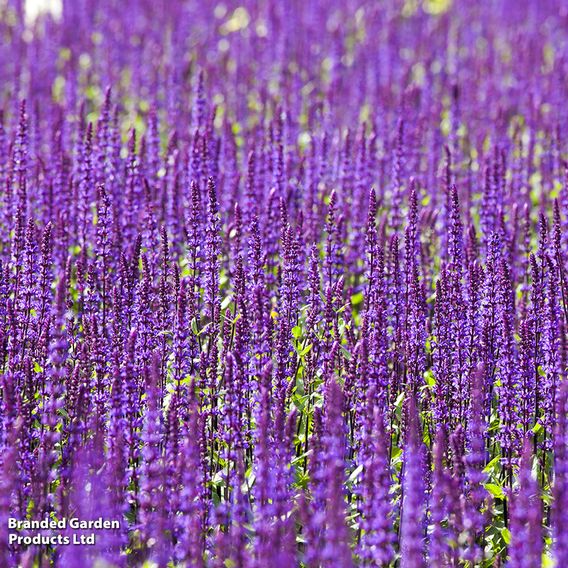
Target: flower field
(284, 284)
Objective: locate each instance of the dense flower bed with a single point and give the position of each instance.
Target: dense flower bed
(284, 283)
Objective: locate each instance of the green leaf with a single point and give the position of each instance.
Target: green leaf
(396, 453)
(506, 534)
(491, 465)
(495, 490)
(305, 350)
(357, 299)
(429, 378)
(226, 303)
(399, 400)
(194, 328)
(300, 401)
(346, 353)
(355, 474)
(302, 457)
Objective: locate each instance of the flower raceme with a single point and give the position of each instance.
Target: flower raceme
(283, 283)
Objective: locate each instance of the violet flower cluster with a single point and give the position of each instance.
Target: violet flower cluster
(285, 283)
